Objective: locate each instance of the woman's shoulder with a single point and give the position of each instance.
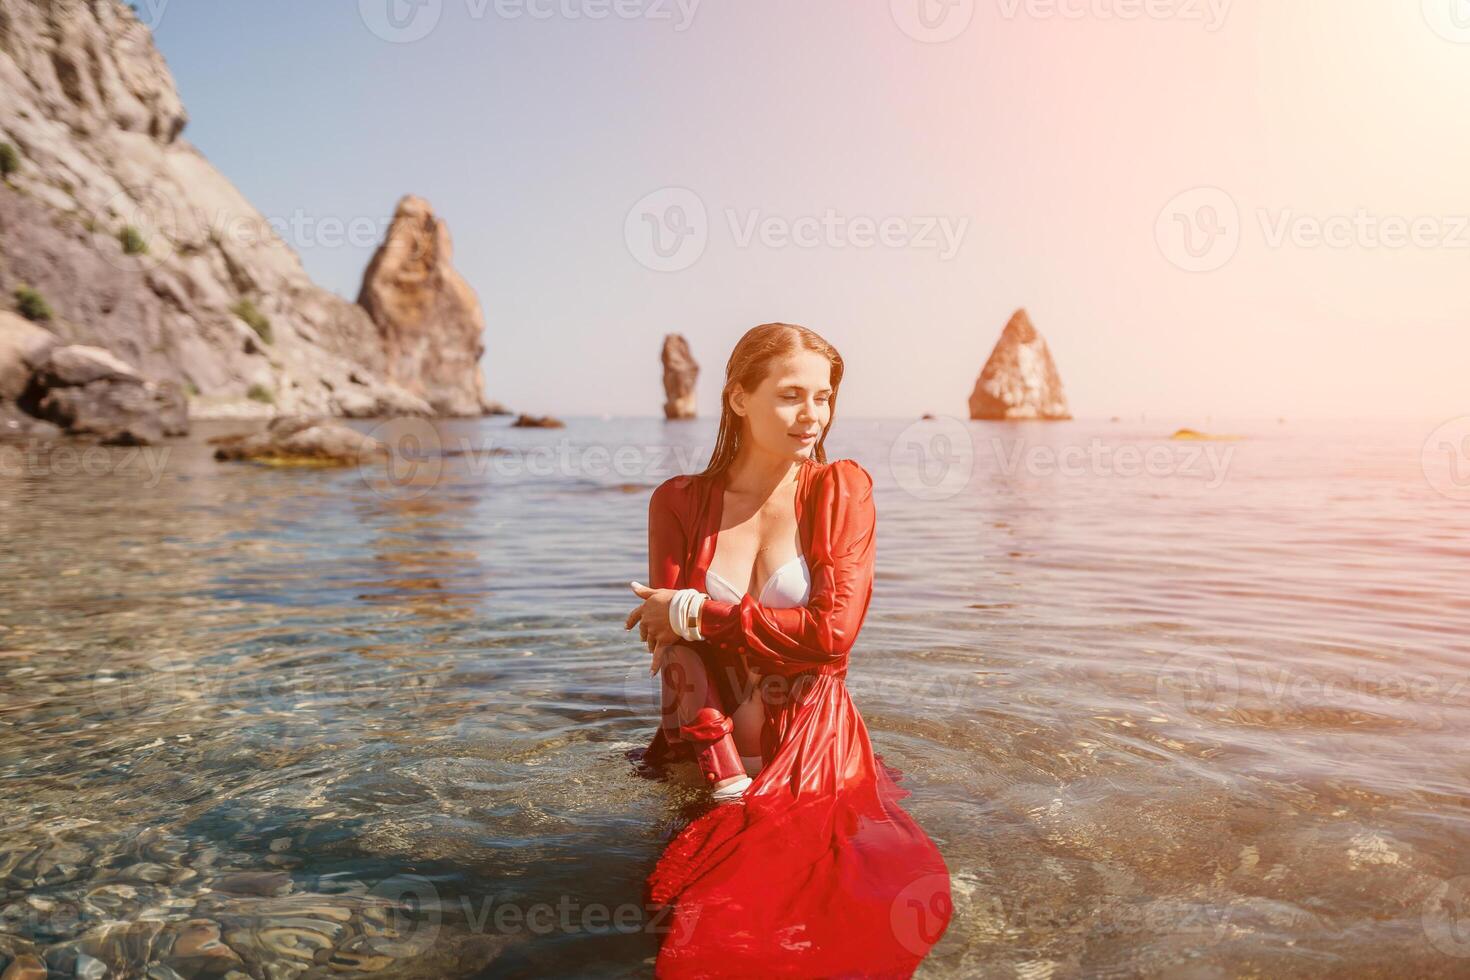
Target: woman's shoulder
(847, 474)
(674, 492)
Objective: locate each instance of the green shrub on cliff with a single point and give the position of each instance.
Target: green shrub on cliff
(253, 318)
(260, 393)
(9, 160)
(133, 242)
(31, 304)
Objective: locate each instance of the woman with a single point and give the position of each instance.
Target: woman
(810, 868)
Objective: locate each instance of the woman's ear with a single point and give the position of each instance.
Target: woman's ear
(737, 399)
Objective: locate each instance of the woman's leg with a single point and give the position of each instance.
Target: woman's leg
(691, 703)
(749, 719)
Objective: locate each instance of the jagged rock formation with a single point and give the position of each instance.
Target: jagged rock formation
(1019, 381)
(141, 247)
(680, 373)
(427, 315)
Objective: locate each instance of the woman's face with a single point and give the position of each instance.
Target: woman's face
(787, 413)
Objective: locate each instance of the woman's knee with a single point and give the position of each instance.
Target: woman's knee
(749, 719)
(686, 683)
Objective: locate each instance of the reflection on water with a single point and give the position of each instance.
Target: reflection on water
(1186, 715)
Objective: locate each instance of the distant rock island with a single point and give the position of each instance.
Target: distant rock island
(119, 235)
(680, 373)
(1019, 381)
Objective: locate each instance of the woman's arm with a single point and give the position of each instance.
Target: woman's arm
(841, 563)
(666, 543)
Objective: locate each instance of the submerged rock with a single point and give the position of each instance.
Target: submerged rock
(1019, 381)
(1192, 434)
(300, 441)
(680, 373)
(537, 422)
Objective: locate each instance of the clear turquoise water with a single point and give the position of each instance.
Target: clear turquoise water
(1207, 719)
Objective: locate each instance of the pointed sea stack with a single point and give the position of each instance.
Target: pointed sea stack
(428, 316)
(680, 373)
(1019, 381)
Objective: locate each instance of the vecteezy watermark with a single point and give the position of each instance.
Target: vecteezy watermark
(1200, 230)
(1450, 19)
(1445, 916)
(657, 695)
(1207, 678)
(167, 681)
(929, 232)
(44, 457)
(933, 458)
(920, 913)
(669, 229)
(932, 21)
(1200, 679)
(1445, 459)
(406, 21)
(1097, 458)
(419, 453)
(149, 12)
(1212, 14)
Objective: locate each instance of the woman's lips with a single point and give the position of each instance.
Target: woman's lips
(809, 437)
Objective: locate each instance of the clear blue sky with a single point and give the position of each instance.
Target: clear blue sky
(1052, 148)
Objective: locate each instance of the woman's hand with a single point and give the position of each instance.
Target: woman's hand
(653, 619)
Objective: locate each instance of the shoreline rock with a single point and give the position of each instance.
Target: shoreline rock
(87, 391)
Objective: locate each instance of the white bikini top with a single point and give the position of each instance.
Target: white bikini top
(789, 586)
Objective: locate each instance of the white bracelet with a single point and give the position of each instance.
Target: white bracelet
(685, 606)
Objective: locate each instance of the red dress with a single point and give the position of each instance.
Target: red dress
(818, 872)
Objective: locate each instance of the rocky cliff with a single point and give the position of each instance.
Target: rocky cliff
(115, 232)
(1019, 381)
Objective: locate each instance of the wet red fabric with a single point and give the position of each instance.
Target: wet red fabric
(818, 872)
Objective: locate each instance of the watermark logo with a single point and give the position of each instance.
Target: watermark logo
(1199, 230)
(1200, 679)
(932, 459)
(921, 912)
(933, 21)
(1450, 19)
(413, 916)
(1446, 916)
(1098, 458)
(48, 457)
(1445, 459)
(1210, 13)
(941, 233)
(145, 226)
(400, 21)
(667, 231)
(147, 689)
(414, 464)
(150, 13)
